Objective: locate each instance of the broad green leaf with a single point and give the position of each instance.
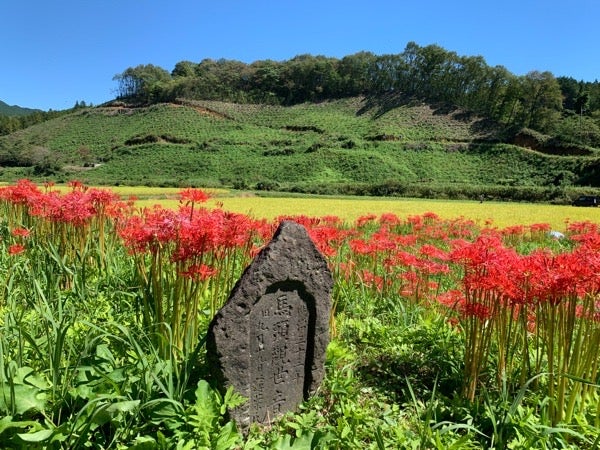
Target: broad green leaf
(227, 438)
(124, 406)
(38, 436)
(26, 398)
(204, 392)
(26, 375)
(304, 442)
(84, 391)
(103, 352)
(111, 412)
(206, 405)
(143, 443)
(7, 423)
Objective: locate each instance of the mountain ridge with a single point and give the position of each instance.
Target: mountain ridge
(15, 110)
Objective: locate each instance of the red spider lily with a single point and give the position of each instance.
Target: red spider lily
(383, 241)
(74, 208)
(539, 231)
(16, 249)
(199, 272)
(23, 192)
(237, 229)
(363, 220)
(361, 247)
(415, 221)
(328, 239)
(581, 228)
(347, 269)
(453, 299)
(370, 280)
(513, 232)
(586, 235)
(189, 197)
(432, 251)
(405, 259)
(211, 231)
(389, 220)
(77, 185)
(539, 228)
(192, 195)
(482, 312)
(147, 232)
(430, 217)
(332, 221)
(20, 232)
(101, 198)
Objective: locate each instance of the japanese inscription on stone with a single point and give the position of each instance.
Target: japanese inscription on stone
(279, 331)
(269, 339)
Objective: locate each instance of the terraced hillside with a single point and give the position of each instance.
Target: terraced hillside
(343, 146)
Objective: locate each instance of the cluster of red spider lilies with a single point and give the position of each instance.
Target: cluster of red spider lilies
(525, 301)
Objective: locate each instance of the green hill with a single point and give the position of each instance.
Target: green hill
(7, 110)
(337, 147)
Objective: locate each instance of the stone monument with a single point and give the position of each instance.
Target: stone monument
(269, 339)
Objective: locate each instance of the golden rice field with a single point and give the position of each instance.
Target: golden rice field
(499, 214)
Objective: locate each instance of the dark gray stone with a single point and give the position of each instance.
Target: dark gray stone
(269, 339)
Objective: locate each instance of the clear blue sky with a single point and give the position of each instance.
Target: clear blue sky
(55, 53)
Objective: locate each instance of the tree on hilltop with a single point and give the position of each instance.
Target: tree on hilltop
(145, 83)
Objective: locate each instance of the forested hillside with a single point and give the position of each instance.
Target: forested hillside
(426, 122)
(560, 107)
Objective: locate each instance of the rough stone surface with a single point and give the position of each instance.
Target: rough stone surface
(269, 339)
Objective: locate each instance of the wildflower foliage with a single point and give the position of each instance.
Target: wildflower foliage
(98, 292)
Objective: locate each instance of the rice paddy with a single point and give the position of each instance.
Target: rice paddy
(498, 214)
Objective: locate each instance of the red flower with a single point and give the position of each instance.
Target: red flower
(478, 310)
(199, 272)
(191, 195)
(364, 220)
(76, 185)
(24, 192)
(20, 232)
(16, 249)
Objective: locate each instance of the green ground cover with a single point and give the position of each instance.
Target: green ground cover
(445, 333)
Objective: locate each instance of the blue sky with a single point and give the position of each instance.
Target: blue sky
(55, 53)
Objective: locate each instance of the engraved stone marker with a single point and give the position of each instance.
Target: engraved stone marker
(269, 339)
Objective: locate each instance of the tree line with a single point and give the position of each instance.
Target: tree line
(537, 100)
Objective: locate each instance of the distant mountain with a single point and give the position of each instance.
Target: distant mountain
(15, 110)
